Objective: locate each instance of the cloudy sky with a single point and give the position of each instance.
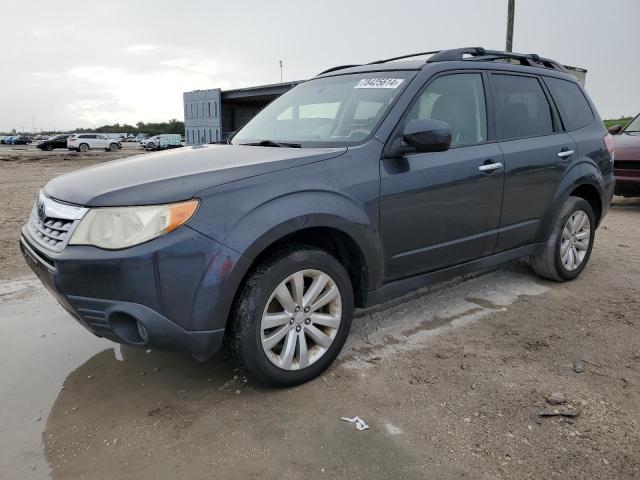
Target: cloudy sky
(68, 64)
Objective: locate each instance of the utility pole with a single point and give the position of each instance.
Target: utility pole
(280, 61)
(510, 13)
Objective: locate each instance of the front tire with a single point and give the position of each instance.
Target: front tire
(568, 249)
(113, 147)
(292, 317)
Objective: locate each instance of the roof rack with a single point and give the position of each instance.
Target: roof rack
(401, 57)
(478, 54)
(339, 67)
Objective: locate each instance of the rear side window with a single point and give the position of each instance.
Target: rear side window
(574, 108)
(521, 107)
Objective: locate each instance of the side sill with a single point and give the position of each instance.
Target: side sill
(406, 285)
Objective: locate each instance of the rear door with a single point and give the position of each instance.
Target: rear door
(443, 208)
(88, 139)
(536, 154)
(101, 141)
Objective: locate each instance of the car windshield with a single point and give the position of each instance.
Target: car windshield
(334, 111)
(634, 125)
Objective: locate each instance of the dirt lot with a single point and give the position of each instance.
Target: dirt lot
(24, 170)
(449, 379)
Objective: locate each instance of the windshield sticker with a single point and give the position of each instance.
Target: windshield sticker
(379, 83)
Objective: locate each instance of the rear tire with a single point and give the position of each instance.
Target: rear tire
(568, 249)
(312, 332)
(83, 148)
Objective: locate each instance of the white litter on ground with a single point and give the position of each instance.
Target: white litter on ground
(360, 423)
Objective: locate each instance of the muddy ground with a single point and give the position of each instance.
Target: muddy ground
(450, 380)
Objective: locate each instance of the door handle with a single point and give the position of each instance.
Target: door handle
(489, 167)
(565, 153)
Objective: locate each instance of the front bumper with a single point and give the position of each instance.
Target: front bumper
(178, 287)
(627, 180)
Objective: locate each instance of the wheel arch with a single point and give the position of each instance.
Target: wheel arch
(584, 180)
(335, 241)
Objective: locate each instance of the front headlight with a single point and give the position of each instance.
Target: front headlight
(121, 227)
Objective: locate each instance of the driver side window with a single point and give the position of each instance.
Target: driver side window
(459, 101)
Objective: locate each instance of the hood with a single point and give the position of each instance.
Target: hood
(175, 175)
(627, 146)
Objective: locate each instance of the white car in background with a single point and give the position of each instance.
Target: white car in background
(83, 142)
(150, 143)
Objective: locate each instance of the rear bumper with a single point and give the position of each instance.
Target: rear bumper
(178, 288)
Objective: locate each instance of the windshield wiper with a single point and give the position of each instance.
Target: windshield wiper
(271, 143)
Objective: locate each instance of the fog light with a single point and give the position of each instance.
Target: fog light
(142, 331)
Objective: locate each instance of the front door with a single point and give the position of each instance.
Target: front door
(443, 208)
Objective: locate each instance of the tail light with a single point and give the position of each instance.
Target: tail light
(608, 141)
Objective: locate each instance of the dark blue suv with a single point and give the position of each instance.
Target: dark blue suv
(363, 183)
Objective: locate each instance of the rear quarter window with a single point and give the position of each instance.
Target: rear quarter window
(571, 102)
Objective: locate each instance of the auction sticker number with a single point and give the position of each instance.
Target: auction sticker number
(379, 83)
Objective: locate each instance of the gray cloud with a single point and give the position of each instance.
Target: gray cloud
(72, 63)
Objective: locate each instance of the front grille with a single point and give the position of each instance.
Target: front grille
(54, 232)
(51, 223)
(626, 164)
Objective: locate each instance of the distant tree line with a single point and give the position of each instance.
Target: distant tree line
(172, 126)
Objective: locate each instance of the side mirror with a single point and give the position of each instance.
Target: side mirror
(428, 135)
(615, 129)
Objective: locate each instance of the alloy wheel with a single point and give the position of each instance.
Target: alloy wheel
(301, 319)
(576, 237)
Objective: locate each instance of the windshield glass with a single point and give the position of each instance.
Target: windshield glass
(634, 125)
(333, 111)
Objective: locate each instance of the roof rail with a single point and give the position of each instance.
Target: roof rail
(456, 54)
(339, 67)
(401, 57)
(480, 54)
(476, 53)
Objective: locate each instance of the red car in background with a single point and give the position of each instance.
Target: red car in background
(626, 165)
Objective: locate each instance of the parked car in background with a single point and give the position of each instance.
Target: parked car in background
(141, 136)
(626, 166)
(399, 174)
(8, 139)
(150, 143)
(83, 142)
(21, 140)
(59, 141)
(164, 142)
(2, 138)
